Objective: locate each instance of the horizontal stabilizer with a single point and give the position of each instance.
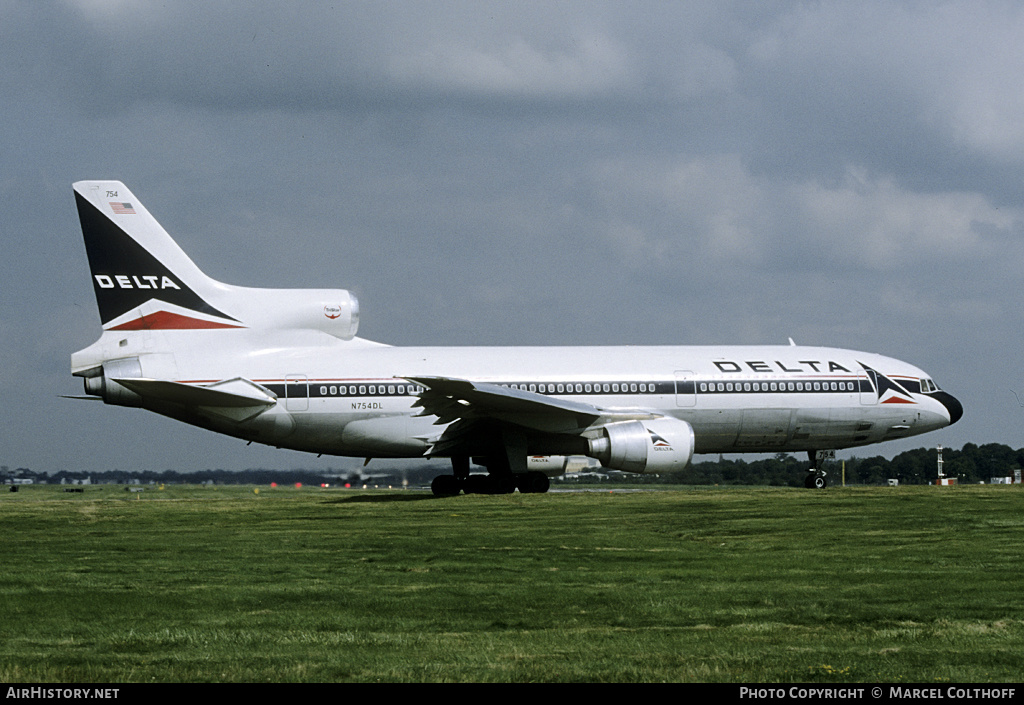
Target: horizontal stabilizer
(230, 394)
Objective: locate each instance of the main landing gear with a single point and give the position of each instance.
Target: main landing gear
(494, 483)
(527, 483)
(815, 479)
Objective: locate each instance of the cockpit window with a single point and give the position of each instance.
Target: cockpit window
(928, 386)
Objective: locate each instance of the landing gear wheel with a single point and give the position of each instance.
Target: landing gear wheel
(533, 483)
(478, 484)
(490, 484)
(815, 481)
(445, 486)
(502, 484)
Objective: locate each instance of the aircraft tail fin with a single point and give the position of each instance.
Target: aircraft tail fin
(141, 278)
(144, 281)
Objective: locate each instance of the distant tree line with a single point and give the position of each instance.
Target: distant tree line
(172, 477)
(971, 464)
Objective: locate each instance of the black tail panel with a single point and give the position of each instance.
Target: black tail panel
(124, 274)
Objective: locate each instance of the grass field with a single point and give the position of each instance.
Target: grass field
(192, 584)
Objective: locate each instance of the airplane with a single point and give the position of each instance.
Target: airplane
(285, 368)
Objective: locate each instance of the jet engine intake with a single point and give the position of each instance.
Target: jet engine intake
(655, 446)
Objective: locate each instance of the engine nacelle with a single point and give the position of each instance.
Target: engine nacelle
(550, 465)
(654, 446)
(99, 381)
(332, 311)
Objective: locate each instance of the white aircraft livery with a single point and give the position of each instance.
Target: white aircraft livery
(284, 367)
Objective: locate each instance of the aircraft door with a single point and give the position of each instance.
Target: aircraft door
(296, 393)
(686, 389)
(868, 385)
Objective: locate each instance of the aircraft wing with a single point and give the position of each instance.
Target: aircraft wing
(452, 399)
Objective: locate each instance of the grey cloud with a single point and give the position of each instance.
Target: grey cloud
(579, 172)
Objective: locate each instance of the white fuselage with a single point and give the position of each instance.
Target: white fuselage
(353, 398)
(284, 367)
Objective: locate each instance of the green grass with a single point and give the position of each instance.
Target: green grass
(191, 584)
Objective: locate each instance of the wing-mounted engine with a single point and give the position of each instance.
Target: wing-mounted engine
(640, 442)
(652, 446)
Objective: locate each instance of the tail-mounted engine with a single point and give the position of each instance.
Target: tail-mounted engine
(333, 311)
(654, 446)
(99, 381)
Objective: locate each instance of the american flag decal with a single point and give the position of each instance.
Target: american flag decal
(122, 208)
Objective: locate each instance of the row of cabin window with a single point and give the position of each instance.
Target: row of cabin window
(372, 389)
(612, 388)
(585, 388)
(777, 387)
(552, 388)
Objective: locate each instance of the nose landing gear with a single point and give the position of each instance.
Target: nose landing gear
(815, 479)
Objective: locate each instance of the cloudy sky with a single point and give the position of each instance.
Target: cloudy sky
(845, 174)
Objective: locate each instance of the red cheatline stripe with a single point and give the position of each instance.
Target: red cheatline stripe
(164, 320)
(897, 400)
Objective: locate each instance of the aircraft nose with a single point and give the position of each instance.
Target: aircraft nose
(952, 404)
